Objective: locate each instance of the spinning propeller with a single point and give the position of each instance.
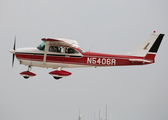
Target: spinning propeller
(13, 51)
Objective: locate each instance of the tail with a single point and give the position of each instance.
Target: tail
(149, 47)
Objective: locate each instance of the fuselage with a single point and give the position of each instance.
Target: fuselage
(34, 57)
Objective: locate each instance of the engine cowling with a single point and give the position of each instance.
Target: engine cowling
(59, 74)
(27, 74)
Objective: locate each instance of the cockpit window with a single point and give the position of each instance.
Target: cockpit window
(41, 46)
(69, 50)
(58, 49)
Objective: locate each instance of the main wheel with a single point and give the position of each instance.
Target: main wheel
(26, 77)
(57, 77)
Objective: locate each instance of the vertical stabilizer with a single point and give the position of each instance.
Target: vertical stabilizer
(153, 50)
(149, 47)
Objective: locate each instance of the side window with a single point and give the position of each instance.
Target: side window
(69, 50)
(57, 49)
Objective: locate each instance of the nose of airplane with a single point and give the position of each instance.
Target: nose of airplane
(12, 51)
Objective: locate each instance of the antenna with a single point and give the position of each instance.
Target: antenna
(99, 114)
(79, 115)
(91, 48)
(106, 112)
(69, 36)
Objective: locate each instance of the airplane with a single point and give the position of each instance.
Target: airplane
(59, 53)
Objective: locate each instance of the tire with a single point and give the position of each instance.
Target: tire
(26, 77)
(57, 77)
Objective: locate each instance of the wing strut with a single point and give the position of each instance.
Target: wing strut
(45, 53)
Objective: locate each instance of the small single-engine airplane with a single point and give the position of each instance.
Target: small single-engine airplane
(61, 53)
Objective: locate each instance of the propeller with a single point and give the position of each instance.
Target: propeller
(13, 59)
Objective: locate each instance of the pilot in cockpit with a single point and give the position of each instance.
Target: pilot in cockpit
(70, 50)
(55, 49)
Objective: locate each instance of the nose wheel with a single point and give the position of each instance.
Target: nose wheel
(27, 74)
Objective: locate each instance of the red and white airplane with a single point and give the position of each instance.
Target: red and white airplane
(62, 53)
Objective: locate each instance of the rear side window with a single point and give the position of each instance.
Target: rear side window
(69, 50)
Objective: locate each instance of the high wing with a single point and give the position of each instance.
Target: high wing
(61, 42)
(58, 42)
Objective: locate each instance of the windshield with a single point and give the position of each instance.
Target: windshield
(82, 50)
(41, 46)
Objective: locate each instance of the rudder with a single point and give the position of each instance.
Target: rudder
(153, 50)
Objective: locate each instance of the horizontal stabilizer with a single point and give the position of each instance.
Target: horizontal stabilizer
(140, 60)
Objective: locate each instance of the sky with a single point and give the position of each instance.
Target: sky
(105, 26)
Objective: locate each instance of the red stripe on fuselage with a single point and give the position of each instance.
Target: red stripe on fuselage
(89, 58)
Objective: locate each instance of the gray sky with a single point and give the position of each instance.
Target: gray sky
(111, 26)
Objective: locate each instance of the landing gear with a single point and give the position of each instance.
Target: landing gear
(27, 74)
(57, 74)
(57, 77)
(29, 68)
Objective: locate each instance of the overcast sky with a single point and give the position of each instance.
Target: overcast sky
(106, 26)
